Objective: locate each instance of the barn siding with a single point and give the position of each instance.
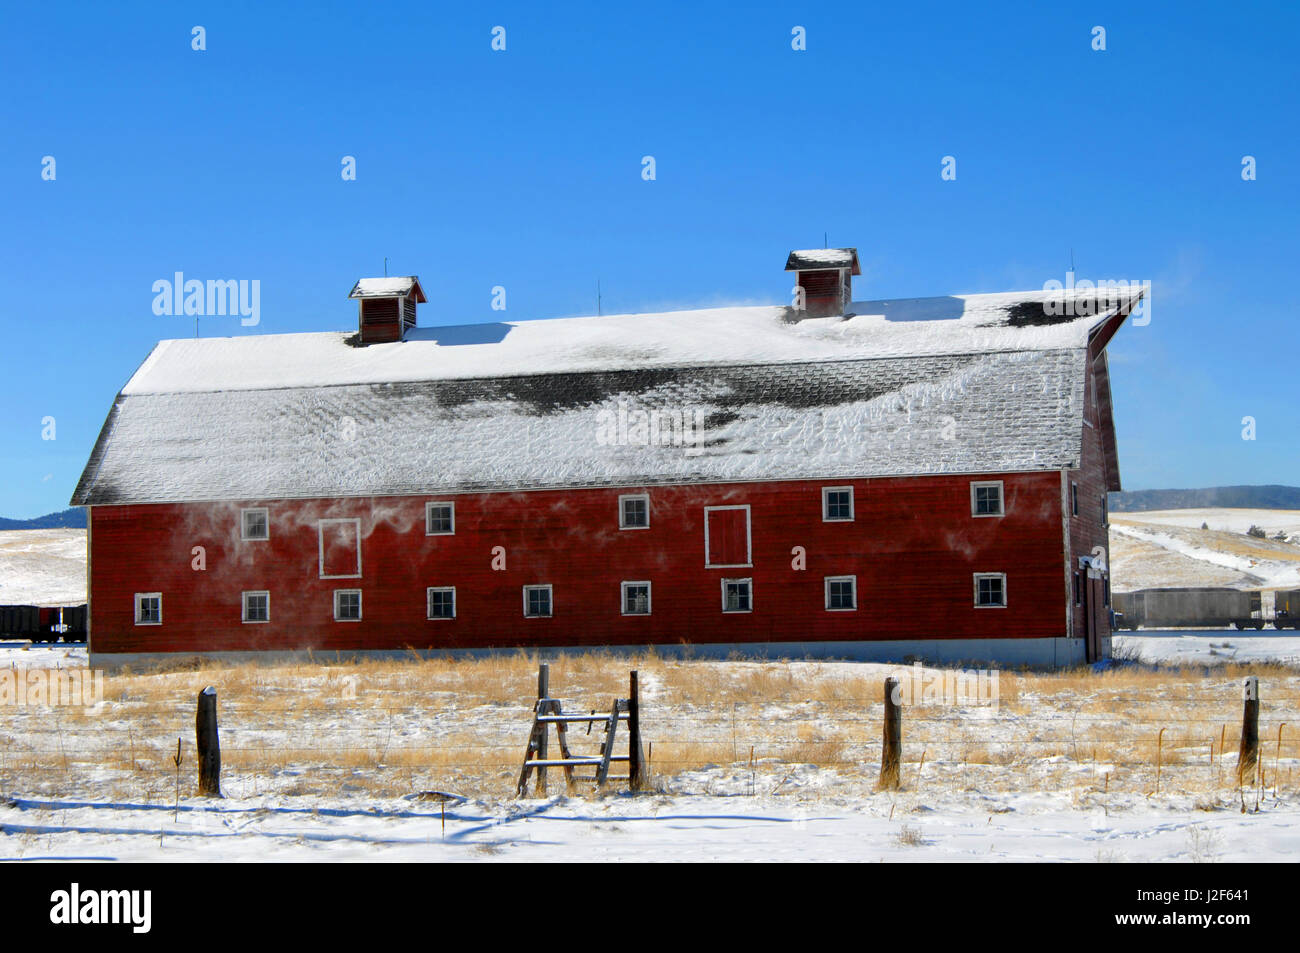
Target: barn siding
(913, 546)
(1089, 529)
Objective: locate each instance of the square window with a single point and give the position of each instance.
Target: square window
(636, 598)
(148, 608)
(986, 499)
(537, 602)
(347, 605)
(841, 592)
(837, 504)
(737, 595)
(254, 524)
(442, 602)
(439, 519)
(257, 607)
(990, 590)
(634, 511)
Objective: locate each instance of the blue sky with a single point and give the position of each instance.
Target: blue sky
(522, 168)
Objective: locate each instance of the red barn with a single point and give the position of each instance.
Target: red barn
(876, 479)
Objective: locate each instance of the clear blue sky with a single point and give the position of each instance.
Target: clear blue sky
(522, 168)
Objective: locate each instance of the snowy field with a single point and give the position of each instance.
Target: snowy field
(1169, 548)
(750, 761)
(43, 567)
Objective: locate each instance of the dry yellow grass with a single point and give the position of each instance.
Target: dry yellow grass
(325, 728)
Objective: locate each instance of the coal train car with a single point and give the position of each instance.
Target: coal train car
(1189, 608)
(44, 623)
(1286, 609)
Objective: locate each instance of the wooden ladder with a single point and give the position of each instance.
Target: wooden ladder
(548, 712)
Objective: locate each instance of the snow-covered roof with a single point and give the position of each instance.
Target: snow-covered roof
(385, 287)
(823, 258)
(967, 384)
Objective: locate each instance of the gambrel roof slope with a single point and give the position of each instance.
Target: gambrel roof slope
(969, 384)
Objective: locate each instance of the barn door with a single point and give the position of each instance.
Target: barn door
(726, 537)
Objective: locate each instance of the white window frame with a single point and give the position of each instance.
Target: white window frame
(633, 496)
(990, 575)
(826, 505)
(749, 539)
(428, 603)
(853, 580)
(749, 581)
(139, 596)
(243, 606)
(343, 592)
(243, 525)
(550, 599)
(320, 540)
(1002, 498)
(622, 596)
(428, 513)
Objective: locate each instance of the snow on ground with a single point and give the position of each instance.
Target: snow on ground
(1227, 519)
(646, 828)
(1032, 806)
(44, 567)
(1208, 648)
(1167, 549)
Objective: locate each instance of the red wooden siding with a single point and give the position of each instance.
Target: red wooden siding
(913, 547)
(380, 320)
(728, 537)
(1088, 531)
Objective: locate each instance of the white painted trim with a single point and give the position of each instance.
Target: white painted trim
(148, 595)
(826, 592)
(266, 514)
(429, 506)
(1002, 498)
(749, 541)
(550, 596)
(633, 496)
(990, 575)
(826, 517)
(339, 592)
(320, 541)
(622, 596)
(428, 592)
(243, 606)
(748, 581)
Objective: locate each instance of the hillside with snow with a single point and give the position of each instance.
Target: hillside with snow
(1168, 548)
(43, 567)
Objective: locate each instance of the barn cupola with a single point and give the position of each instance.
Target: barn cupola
(386, 307)
(826, 277)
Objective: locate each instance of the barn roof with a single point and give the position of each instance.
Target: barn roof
(387, 287)
(813, 258)
(986, 383)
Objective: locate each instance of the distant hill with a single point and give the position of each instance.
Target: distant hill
(73, 518)
(1235, 497)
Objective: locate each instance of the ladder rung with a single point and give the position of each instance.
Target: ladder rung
(565, 719)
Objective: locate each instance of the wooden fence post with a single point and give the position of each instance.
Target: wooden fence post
(208, 744)
(1248, 756)
(543, 691)
(635, 769)
(891, 752)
